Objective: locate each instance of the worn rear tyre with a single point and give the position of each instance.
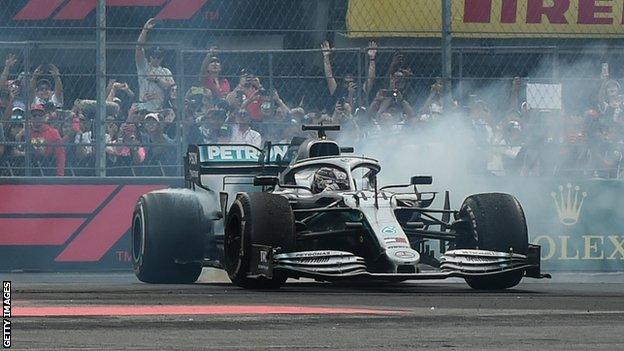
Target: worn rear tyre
(167, 228)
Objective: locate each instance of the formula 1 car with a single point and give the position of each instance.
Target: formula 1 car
(313, 210)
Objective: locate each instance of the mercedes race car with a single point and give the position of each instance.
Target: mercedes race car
(313, 209)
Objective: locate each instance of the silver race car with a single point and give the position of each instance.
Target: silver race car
(312, 209)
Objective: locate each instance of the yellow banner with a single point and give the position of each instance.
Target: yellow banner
(487, 18)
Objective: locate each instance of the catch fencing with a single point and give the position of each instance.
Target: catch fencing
(475, 47)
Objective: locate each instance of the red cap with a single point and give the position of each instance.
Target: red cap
(37, 107)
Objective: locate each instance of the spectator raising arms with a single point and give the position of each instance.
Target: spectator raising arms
(10, 61)
(43, 92)
(45, 140)
(114, 91)
(348, 87)
(209, 75)
(245, 96)
(154, 80)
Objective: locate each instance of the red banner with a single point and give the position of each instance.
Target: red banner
(59, 226)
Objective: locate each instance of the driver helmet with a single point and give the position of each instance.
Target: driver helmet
(328, 179)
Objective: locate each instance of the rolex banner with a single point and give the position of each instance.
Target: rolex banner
(487, 18)
(580, 227)
(578, 223)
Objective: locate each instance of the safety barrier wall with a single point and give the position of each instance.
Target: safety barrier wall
(578, 223)
(82, 224)
(69, 225)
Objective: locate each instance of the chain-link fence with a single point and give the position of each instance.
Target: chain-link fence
(533, 79)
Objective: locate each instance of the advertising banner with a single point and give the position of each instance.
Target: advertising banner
(578, 223)
(487, 18)
(60, 226)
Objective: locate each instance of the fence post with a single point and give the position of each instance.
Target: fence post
(180, 118)
(270, 70)
(446, 49)
(555, 64)
(29, 99)
(460, 74)
(100, 115)
(360, 73)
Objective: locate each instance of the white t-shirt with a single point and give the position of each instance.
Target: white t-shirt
(151, 94)
(86, 138)
(249, 136)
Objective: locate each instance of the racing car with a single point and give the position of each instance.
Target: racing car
(313, 209)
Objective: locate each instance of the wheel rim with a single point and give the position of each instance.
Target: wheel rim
(138, 236)
(233, 243)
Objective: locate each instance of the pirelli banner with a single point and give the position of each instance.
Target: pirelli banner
(487, 18)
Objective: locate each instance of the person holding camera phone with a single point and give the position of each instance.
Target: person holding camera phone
(125, 151)
(42, 88)
(433, 106)
(348, 87)
(119, 93)
(155, 81)
(391, 105)
(209, 75)
(247, 96)
(16, 87)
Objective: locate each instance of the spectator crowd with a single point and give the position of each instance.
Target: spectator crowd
(145, 127)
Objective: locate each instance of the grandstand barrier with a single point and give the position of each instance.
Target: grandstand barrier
(70, 224)
(82, 224)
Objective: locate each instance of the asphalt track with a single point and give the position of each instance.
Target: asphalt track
(115, 312)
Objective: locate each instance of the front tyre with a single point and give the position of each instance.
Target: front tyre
(261, 219)
(495, 222)
(168, 237)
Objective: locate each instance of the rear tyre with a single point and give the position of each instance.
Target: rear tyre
(167, 228)
(262, 219)
(496, 222)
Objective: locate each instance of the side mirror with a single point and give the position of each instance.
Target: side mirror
(347, 150)
(266, 180)
(421, 180)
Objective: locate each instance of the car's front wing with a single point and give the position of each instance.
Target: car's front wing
(331, 265)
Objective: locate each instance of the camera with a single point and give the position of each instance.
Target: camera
(395, 95)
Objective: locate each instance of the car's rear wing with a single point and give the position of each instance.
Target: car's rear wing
(236, 159)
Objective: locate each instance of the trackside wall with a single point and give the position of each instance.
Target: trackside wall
(73, 224)
(83, 224)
